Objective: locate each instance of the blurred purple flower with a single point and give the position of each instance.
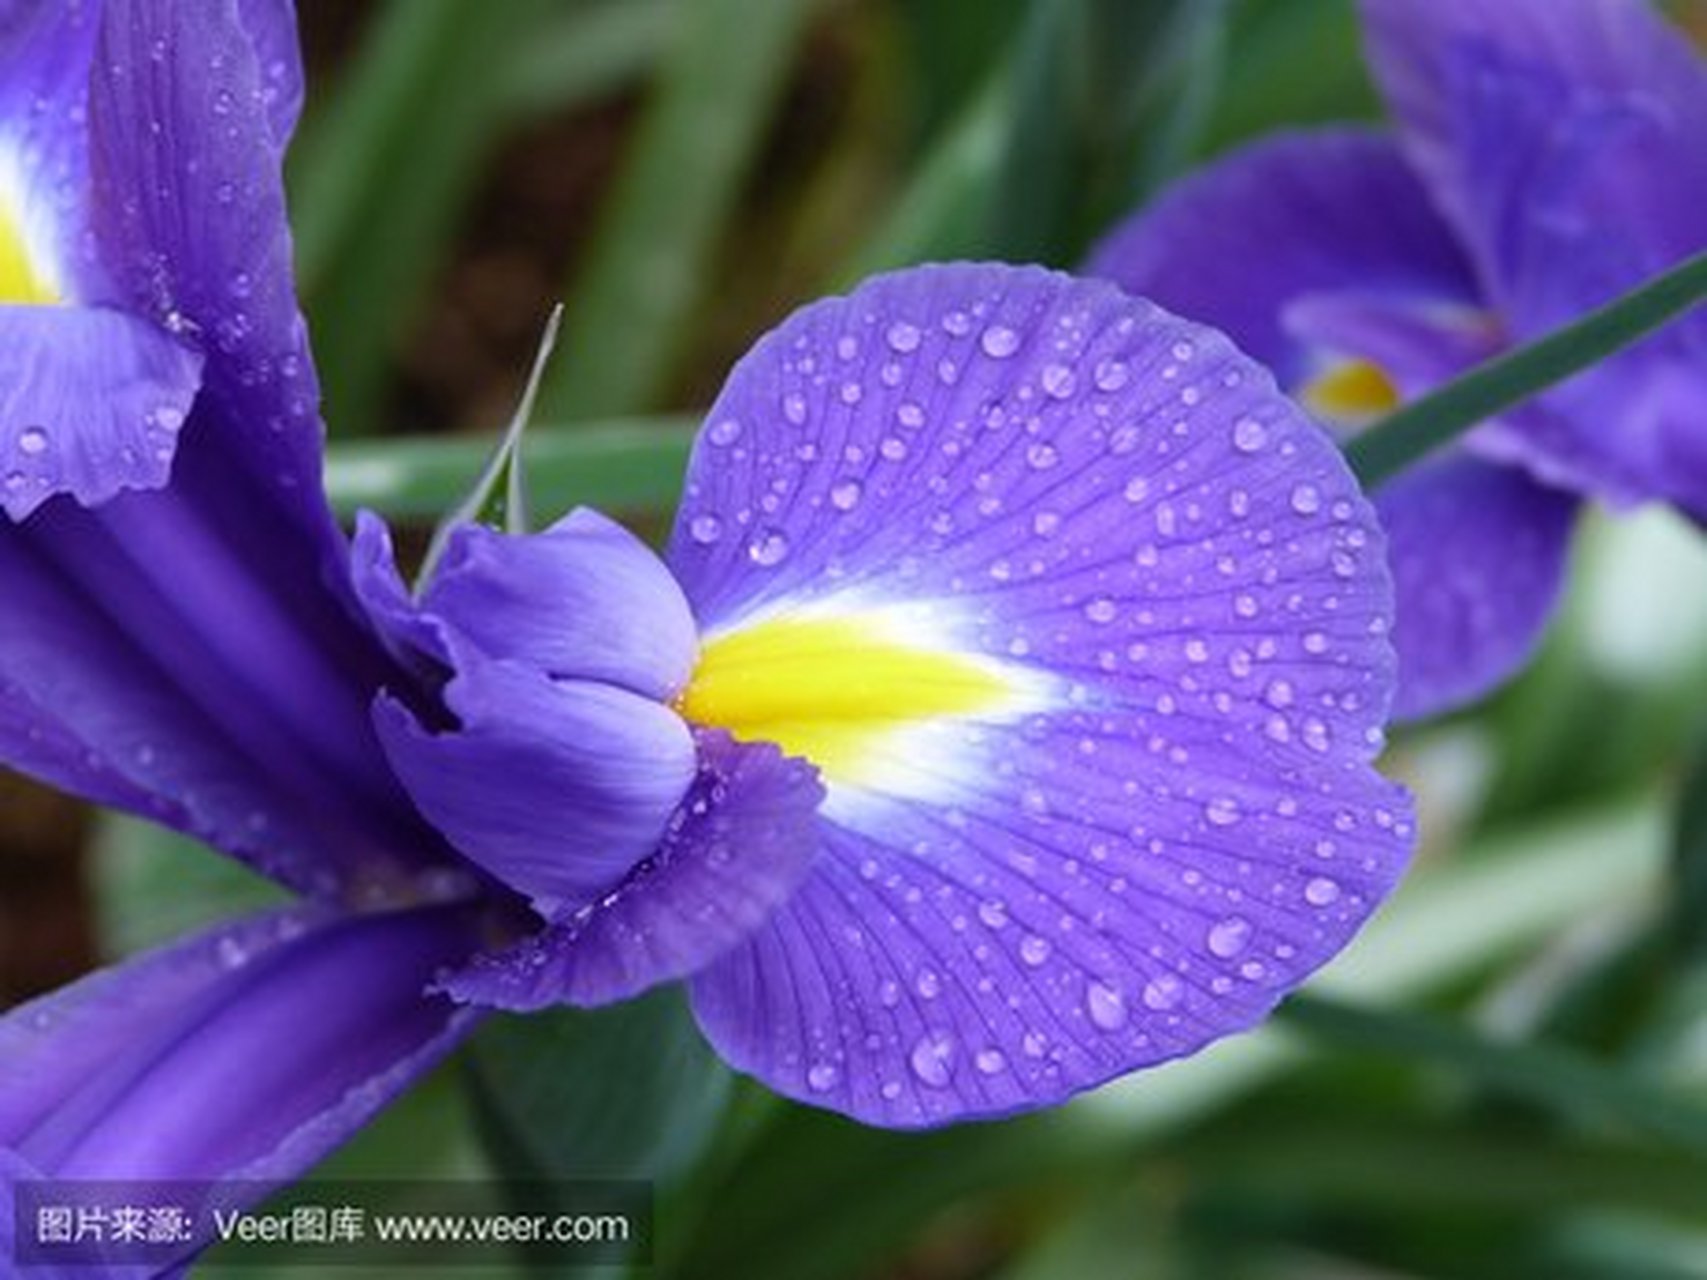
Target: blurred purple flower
(1547, 158)
(1001, 719)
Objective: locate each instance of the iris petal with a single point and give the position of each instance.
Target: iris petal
(1180, 822)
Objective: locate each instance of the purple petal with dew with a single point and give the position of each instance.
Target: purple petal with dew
(1116, 509)
(271, 28)
(739, 844)
(91, 403)
(1478, 554)
(248, 1051)
(1330, 212)
(188, 214)
(556, 787)
(584, 599)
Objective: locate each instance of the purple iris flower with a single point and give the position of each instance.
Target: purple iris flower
(1000, 719)
(1546, 158)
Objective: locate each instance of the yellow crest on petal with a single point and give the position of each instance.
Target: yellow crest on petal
(836, 689)
(21, 277)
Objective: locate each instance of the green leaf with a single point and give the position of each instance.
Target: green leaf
(389, 161)
(1571, 1083)
(1107, 96)
(631, 1091)
(152, 885)
(499, 497)
(1447, 412)
(633, 464)
(649, 262)
(1689, 856)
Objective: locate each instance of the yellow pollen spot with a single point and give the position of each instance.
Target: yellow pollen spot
(1351, 391)
(833, 689)
(20, 281)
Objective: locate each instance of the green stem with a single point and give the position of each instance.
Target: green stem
(1449, 411)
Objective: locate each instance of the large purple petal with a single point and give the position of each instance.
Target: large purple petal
(738, 845)
(1478, 558)
(556, 787)
(91, 403)
(1116, 512)
(1333, 212)
(585, 599)
(246, 1052)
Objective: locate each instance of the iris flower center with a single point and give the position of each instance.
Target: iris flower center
(835, 690)
(1351, 393)
(21, 279)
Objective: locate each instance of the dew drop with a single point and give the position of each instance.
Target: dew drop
(724, 431)
(1034, 950)
(822, 1077)
(1057, 381)
(1249, 435)
(902, 337)
(1110, 375)
(1222, 811)
(794, 408)
(1227, 938)
(1163, 992)
(846, 496)
(1101, 610)
(705, 530)
(1106, 1006)
(927, 984)
(1306, 499)
(932, 1059)
(910, 415)
(1321, 892)
(990, 1062)
(999, 342)
(768, 550)
(33, 440)
(993, 913)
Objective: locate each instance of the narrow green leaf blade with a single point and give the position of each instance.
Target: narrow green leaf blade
(1424, 425)
(633, 464)
(1575, 1085)
(649, 262)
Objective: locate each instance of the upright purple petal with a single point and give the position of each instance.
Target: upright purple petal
(1241, 243)
(737, 846)
(248, 1051)
(1166, 817)
(584, 599)
(1561, 139)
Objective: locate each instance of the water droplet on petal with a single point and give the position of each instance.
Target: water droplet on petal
(1249, 435)
(903, 337)
(1106, 1006)
(1227, 938)
(846, 496)
(1321, 892)
(822, 1077)
(1101, 610)
(33, 440)
(1163, 992)
(932, 1059)
(769, 549)
(705, 530)
(999, 342)
(1222, 811)
(990, 1061)
(1034, 950)
(1306, 499)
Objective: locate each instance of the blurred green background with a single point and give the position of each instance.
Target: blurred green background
(1506, 1076)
